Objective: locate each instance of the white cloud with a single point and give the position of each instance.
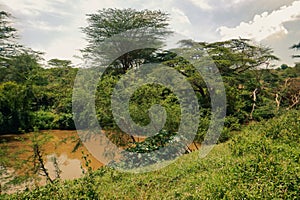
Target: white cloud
(203, 4)
(180, 22)
(209, 5)
(41, 25)
(264, 25)
(52, 26)
(34, 8)
(59, 49)
(179, 16)
(41, 15)
(238, 1)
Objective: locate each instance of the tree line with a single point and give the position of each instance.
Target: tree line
(32, 96)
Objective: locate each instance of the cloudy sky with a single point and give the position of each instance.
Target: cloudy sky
(52, 26)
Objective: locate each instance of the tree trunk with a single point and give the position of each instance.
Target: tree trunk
(254, 103)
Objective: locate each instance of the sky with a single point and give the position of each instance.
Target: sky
(53, 26)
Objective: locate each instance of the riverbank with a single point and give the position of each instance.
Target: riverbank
(260, 162)
(62, 151)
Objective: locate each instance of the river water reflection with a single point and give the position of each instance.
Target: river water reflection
(60, 145)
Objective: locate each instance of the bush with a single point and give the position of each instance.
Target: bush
(258, 163)
(64, 121)
(14, 108)
(43, 120)
(269, 156)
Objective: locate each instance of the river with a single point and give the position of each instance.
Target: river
(59, 145)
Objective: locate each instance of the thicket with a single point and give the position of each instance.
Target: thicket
(261, 161)
(34, 97)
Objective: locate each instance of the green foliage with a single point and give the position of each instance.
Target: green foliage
(262, 161)
(22, 69)
(139, 105)
(7, 35)
(236, 55)
(15, 103)
(284, 66)
(270, 151)
(26, 165)
(59, 63)
(65, 121)
(44, 120)
(297, 47)
(47, 93)
(31, 96)
(151, 144)
(130, 27)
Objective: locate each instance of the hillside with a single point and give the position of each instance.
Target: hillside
(261, 161)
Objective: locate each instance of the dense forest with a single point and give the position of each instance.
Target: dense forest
(259, 143)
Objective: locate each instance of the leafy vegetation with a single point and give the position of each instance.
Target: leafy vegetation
(261, 161)
(144, 27)
(297, 47)
(258, 154)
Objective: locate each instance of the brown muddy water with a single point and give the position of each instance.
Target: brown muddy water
(60, 145)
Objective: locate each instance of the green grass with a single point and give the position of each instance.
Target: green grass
(260, 162)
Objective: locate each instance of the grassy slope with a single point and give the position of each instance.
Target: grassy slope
(260, 162)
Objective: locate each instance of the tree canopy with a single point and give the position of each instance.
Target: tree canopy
(7, 37)
(36, 98)
(296, 47)
(47, 93)
(239, 55)
(59, 63)
(125, 27)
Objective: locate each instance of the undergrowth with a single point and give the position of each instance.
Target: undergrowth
(261, 161)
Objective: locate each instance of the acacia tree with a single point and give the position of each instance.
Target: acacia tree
(7, 36)
(125, 28)
(296, 47)
(232, 57)
(59, 63)
(242, 65)
(239, 55)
